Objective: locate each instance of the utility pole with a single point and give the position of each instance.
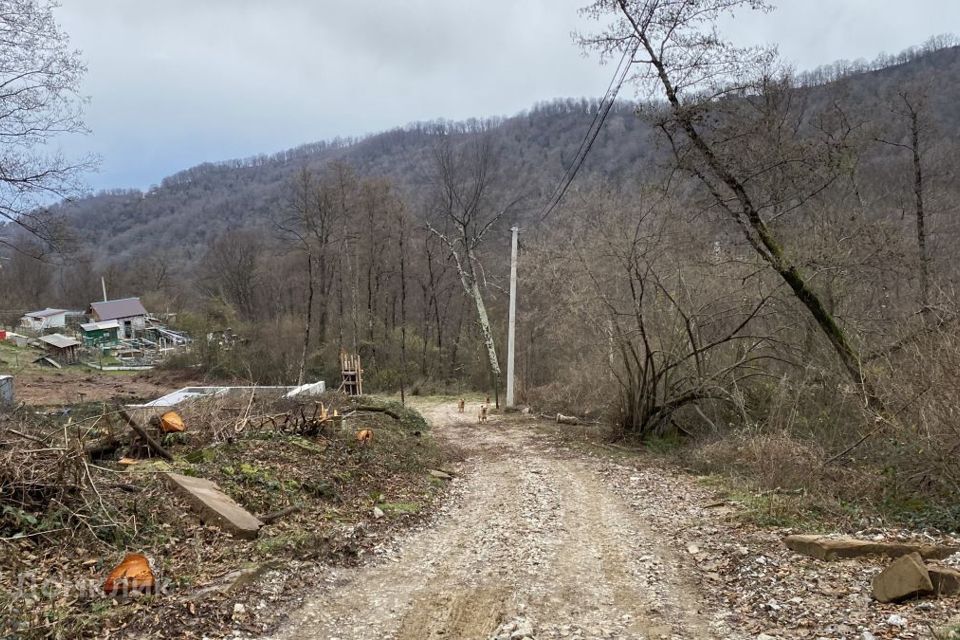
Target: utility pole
(103, 283)
(513, 315)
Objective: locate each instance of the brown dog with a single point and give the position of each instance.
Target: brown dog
(461, 405)
(365, 437)
(483, 414)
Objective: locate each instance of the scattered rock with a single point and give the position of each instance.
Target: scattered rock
(440, 474)
(826, 548)
(945, 580)
(378, 513)
(897, 621)
(906, 577)
(516, 629)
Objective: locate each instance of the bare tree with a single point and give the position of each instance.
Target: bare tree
(466, 200)
(910, 106)
(230, 271)
(39, 102)
(682, 57)
(311, 220)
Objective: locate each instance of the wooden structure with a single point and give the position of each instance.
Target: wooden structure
(61, 348)
(351, 374)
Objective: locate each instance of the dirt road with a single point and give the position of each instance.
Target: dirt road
(532, 543)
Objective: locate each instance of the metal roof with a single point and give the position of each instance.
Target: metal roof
(94, 326)
(45, 313)
(114, 309)
(59, 341)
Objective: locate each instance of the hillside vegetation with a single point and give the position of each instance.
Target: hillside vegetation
(765, 272)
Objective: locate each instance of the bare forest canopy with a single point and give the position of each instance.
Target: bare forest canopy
(188, 210)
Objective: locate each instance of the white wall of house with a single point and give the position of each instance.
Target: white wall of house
(55, 321)
(137, 324)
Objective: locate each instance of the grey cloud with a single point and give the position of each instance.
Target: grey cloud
(178, 82)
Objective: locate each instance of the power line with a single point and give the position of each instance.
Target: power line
(603, 110)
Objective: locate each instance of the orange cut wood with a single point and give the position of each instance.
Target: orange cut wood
(133, 574)
(171, 422)
(365, 436)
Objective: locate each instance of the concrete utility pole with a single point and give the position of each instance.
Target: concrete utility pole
(513, 315)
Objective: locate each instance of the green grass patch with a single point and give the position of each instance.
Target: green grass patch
(400, 507)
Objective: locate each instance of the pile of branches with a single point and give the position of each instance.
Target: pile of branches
(44, 471)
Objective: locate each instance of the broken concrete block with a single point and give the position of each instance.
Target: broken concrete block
(826, 548)
(906, 577)
(946, 580)
(215, 507)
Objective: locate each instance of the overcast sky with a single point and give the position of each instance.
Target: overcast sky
(174, 83)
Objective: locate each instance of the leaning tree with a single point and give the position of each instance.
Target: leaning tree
(724, 111)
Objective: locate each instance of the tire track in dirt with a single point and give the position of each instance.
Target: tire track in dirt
(529, 533)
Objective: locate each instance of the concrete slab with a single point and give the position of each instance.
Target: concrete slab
(215, 507)
(826, 548)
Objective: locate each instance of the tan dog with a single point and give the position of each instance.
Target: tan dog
(483, 414)
(461, 405)
(365, 437)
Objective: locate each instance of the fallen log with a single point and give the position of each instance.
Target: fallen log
(103, 447)
(562, 419)
(153, 444)
(27, 436)
(129, 488)
(272, 517)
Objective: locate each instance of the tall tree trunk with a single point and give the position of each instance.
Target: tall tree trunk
(340, 309)
(485, 330)
(308, 321)
(403, 316)
(918, 198)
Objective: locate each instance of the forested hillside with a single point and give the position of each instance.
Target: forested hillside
(189, 209)
(779, 255)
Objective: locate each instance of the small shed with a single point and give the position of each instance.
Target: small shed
(61, 348)
(129, 313)
(44, 319)
(100, 334)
